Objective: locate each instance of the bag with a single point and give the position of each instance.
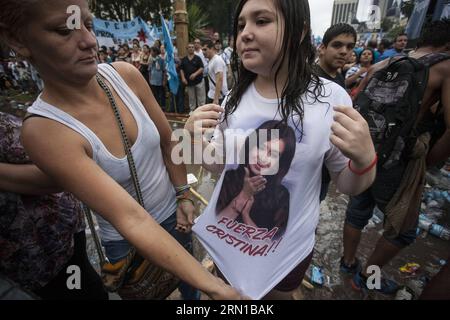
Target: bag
(390, 104)
(134, 277)
(141, 281)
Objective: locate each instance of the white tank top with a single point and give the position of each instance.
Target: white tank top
(157, 189)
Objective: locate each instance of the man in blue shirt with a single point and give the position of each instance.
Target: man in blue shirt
(399, 46)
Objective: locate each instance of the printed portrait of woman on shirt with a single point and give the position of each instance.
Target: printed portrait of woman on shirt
(253, 193)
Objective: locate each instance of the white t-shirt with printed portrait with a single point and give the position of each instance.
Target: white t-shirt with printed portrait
(255, 265)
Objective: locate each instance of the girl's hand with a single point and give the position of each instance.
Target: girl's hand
(350, 134)
(253, 185)
(203, 118)
(185, 216)
(222, 291)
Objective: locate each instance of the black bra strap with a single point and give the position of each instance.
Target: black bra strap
(32, 115)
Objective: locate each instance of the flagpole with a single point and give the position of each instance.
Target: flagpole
(181, 27)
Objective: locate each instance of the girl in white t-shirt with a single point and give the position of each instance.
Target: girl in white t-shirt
(276, 82)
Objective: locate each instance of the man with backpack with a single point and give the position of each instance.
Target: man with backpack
(405, 101)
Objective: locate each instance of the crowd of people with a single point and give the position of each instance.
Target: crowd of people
(18, 74)
(192, 70)
(288, 83)
(151, 62)
(361, 56)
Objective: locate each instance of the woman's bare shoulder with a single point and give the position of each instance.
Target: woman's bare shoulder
(40, 133)
(131, 75)
(127, 71)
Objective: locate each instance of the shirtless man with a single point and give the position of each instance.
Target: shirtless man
(435, 39)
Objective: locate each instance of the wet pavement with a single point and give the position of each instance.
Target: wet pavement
(427, 251)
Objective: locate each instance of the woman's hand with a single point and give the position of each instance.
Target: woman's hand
(203, 118)
(253, 185)
(350, 134)
(185, 216)
(245, 211)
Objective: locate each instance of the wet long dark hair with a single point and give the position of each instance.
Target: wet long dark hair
(274, 199)
(300, 55)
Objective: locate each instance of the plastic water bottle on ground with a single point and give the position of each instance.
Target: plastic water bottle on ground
(404, 293)
(440, 231)
(424, 222)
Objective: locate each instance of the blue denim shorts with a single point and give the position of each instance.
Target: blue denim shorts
(360, 210)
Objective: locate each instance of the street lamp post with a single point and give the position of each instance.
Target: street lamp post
(181, 27)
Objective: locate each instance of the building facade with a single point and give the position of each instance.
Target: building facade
(344, 11)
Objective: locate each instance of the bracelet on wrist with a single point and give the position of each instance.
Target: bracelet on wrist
(180, 190)
(363, 171)
(182, 187)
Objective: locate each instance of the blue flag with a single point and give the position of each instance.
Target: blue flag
(172, 76)
(123, 32)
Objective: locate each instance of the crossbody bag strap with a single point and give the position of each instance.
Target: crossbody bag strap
(133, 259)
(97, 242)
(125, 140)
(214, 84)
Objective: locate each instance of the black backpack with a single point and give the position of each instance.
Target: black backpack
(390, 103)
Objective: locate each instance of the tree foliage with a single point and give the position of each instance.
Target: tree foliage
(221, 13)
(394, 32)
(198, 21)
(387, 24)
(123, 10)
(407, 7)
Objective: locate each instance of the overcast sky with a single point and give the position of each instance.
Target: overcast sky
(321, 11)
